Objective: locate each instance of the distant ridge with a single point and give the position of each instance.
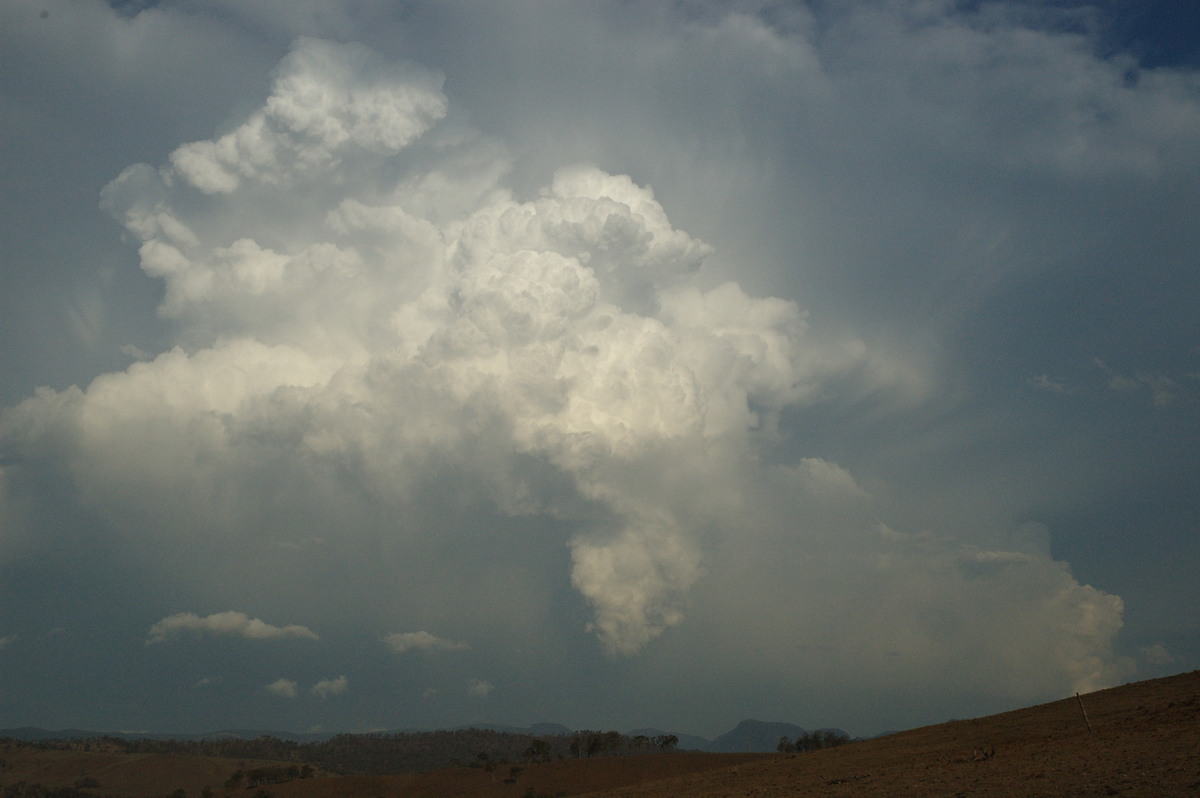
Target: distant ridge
(749, 736)
(33, 733)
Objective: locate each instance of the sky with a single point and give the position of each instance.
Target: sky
(394, 365)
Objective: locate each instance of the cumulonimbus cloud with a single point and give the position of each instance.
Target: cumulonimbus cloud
(573, 319)
(374, 336)
(231, 624)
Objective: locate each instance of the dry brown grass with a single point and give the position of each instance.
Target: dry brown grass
(131, 775)
(564, 777)
(1145, 742)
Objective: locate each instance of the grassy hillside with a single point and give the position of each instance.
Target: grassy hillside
(1144, 741)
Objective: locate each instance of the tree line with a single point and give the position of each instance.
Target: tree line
(812, 741)
(379, 753)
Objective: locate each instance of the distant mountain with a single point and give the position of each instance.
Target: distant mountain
(548, 729)
(752, 736)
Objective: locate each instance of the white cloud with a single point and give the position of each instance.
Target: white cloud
(1157, 654)
(1047, 383)
(327, 688)
(636, 581)
(284, 688)
(234, 624)
(328, 101)
(571, 322)
(401, 642)
(851, 602)
(479, 687)
(1165, 391)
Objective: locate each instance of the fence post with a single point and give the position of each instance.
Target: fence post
(1084, 711)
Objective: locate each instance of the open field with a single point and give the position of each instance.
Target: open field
(1144, 740)
(124, 775)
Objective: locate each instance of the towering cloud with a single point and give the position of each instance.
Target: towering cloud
(472, 398)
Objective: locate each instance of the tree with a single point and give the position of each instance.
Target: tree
(612, 742)
(816, 740)
(595, 743)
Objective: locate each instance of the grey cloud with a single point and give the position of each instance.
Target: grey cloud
(1157, 654)
(327, 688)
(402, 642)
(284, 688)
(479, 687)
